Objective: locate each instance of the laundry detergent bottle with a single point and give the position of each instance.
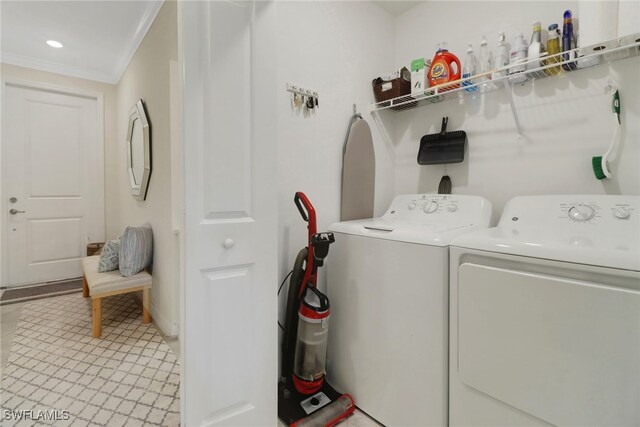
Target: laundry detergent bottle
(445, 68)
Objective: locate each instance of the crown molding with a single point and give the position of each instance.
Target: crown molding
(148, 17)
(55, 67)
(109, 76)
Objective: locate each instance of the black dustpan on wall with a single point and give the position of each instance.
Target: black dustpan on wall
(444, 147)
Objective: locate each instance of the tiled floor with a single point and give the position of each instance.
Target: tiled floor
(359, 419)
(128, 377)
(9, 315)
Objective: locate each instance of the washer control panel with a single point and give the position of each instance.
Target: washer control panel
(427, 203)
(442, 208)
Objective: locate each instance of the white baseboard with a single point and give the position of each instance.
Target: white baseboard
(168, 328)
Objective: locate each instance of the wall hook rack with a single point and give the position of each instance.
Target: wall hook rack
(309, 98)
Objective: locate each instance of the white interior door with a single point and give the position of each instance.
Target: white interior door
(53, 183)
(229, 303)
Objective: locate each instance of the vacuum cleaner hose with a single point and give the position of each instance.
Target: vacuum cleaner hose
(291, 315)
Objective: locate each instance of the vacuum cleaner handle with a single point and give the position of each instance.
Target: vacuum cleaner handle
(305, 207)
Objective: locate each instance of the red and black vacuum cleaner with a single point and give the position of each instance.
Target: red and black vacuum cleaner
(304, 396)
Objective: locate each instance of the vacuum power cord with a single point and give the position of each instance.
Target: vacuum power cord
(280, 289)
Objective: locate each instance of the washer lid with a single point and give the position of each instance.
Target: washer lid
(402, 231)
(596, 230)
(428, 219)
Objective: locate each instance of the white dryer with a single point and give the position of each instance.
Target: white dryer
(545, 315)
(388, 287)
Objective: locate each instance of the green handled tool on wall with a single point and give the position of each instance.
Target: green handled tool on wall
(600, 164)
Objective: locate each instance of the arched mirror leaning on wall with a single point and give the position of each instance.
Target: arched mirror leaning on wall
(139, 151)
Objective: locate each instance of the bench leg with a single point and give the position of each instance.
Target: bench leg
(97, 317)
(85, 287)
(146, 305)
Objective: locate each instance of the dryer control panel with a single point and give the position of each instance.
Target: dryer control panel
(599, 230)
(573, 210)
(445, 209)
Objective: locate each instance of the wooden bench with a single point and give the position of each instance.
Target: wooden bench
(100, 285)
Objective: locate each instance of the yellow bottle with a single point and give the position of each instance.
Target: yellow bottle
(553, 50)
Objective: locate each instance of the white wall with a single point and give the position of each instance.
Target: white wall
(336, 49)
(149, 77)
(567, 119)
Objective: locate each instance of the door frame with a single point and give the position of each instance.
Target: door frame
(64, 90)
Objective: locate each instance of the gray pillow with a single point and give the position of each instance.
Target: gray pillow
(136, 249)
(109, 256)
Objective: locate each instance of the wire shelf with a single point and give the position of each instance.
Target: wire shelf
(519, 73)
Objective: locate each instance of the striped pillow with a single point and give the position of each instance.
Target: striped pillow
(136, 250)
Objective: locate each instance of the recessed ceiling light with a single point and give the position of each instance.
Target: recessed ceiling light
(54, 43)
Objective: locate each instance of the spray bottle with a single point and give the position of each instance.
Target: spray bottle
(501, 56)
(469, 69)
(485, 62)
(518, 54)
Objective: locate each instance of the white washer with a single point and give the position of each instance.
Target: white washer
(388, 288)
(545, 315)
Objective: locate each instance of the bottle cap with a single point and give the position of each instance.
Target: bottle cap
(470, 48)
(484, 41)
(536, 26)
(441, 46)
(501, 36)
(567, 15)
(553, 27)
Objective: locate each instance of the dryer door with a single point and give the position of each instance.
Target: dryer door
(562, 350)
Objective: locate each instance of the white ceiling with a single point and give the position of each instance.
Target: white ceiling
(99, 37)
(396, 7)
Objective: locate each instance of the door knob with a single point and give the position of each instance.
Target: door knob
(228, 243)
(15, 211)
